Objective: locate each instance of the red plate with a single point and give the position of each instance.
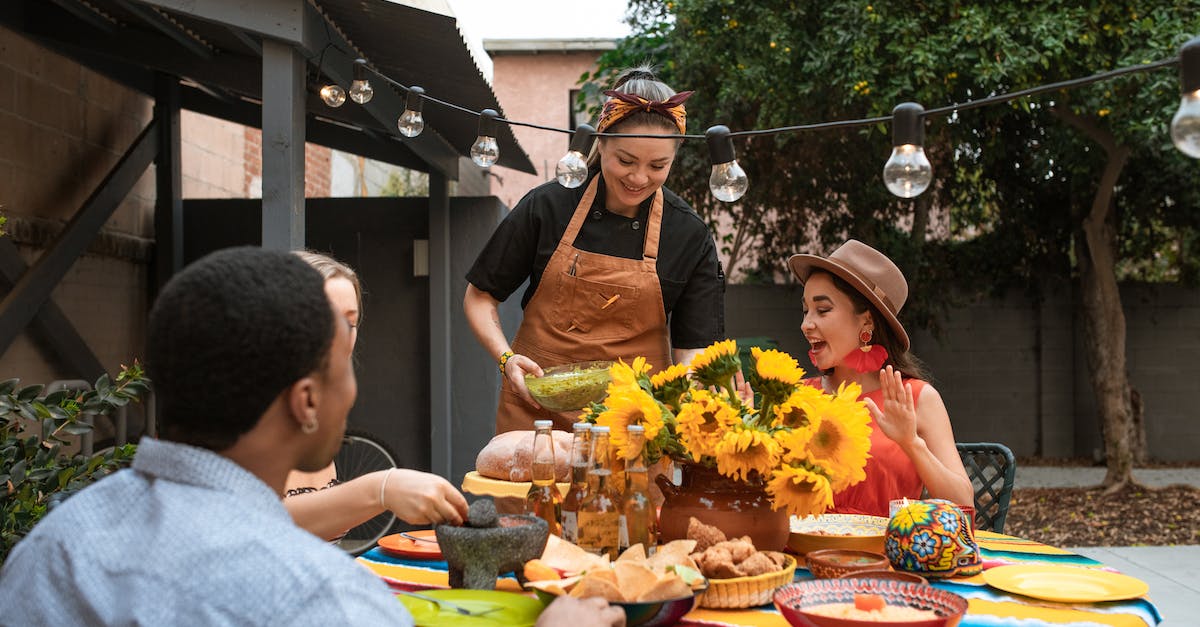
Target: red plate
(400, 546)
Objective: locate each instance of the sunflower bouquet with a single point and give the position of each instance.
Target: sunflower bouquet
(802, 443)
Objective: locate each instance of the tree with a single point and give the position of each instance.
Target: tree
(1080, 184)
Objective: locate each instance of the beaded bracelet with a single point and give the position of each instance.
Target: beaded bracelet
(504, 357)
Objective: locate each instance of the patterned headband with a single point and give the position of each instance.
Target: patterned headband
(621, 105)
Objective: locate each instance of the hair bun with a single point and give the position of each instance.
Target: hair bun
(635, 74)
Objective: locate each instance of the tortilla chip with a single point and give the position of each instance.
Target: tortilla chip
(636, 553)
(668, 586)
(673, 552)
(633, 578)
(569, 558)
(557, 587)
(595, 585)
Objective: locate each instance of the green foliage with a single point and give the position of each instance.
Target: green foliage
(1012, 181)
(35, 473)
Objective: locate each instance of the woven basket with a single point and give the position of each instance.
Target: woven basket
(741, 592)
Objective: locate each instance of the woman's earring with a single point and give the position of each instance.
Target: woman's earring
(868, 357)
(309, 427)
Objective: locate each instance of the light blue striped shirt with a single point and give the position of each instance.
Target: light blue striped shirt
(186, 537)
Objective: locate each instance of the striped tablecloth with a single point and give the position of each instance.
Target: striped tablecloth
(988, 607)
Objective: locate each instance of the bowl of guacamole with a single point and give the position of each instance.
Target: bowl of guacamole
(570, 386)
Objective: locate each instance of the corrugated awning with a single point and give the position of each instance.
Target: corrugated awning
(214, 47)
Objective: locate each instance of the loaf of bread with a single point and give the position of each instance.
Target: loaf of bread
(509, 456)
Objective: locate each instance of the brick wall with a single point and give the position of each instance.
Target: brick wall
(1015, 371)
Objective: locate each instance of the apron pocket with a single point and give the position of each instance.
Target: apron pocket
(596, 310)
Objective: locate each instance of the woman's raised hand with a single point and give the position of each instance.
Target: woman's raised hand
(898, 416)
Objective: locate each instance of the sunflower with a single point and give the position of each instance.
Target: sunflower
(717, 364)
(794, 412)
(794, 442)
(774, 375)
(702, 420)
(799, 489)
(670, 384)
(741, 451)
(629, 374)
(842, 440)
(630, 406)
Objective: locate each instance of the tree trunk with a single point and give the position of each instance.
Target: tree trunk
(1104, 318)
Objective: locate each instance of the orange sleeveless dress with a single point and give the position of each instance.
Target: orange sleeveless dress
(890, 474)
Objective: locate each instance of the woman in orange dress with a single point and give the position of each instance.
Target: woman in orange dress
(851, 302)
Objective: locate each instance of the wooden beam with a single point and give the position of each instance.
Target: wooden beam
(282, 147)
(278, 19)
(168, 181)
(441, 398)
(33, 289)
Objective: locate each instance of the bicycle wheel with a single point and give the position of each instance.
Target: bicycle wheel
(363, 453)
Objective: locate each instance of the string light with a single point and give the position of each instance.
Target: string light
(360, 88)
(333, 95)
(1185, 126)
(728, 180)
(907, 172)
(572, 169)
(485, 152)
(411, 122)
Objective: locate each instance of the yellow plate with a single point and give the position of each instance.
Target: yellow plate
(479, 485)
(1068, 584)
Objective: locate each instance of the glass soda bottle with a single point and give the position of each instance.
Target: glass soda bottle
(543, 499)
(637, 511)
(580, 452)
(600, 512)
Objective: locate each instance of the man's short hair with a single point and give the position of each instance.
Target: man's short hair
(227, 335)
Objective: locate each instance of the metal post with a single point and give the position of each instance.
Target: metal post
(440, 302)
(168, 204)
(282, 147)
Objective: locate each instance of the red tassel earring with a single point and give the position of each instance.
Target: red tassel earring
(868, 357)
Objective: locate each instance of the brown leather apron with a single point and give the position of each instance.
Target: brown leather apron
(590, 306)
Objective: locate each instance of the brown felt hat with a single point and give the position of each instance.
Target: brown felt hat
(868, 271)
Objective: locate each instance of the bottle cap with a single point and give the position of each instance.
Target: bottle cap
(543, 424)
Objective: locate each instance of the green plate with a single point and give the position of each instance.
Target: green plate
(509, 609)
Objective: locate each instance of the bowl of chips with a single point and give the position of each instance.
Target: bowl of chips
(868, 603)
(570, 386)
(653, 591)
(837, 531)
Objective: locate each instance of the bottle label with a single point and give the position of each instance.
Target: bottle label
(570, 527)
(598, 533)
(622, 533)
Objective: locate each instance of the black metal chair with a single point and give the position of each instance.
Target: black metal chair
(993, 471)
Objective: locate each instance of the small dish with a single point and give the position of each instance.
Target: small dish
(488, 608)
(742, 592)
(837, 531)
(894, 575)
(570, 386)
(1066, 584)
(424, 547)
(831, 563)
(797, 600)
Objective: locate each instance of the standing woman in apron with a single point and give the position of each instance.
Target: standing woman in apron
(618, 268)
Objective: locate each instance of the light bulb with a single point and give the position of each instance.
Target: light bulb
(333, 95)
(728, 180)
(361, 91)
(572, 169)
(1185, 126)
(907, 173)
(411, 122)
(360, 88)
(485, 152)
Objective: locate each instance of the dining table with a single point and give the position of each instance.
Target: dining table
(988, 606)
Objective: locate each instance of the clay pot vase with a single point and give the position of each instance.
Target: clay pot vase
(737, 508)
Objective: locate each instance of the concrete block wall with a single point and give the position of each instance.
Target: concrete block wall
(1014, 370)
(62, 129)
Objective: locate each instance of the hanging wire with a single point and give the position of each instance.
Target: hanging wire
(838, 124)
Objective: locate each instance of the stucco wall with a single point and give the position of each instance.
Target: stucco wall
(536, 88)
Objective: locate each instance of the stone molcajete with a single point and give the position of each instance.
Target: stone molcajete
(490, 545)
